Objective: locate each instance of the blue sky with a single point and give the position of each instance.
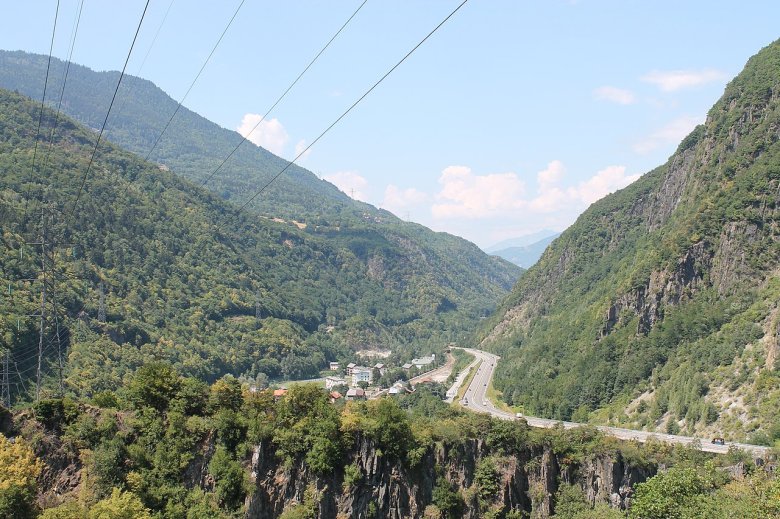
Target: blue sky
(514, 117)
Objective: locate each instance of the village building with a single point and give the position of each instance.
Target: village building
(381, 367)
(399, 388)
(360, 374)
(351, 366)
(356, 393)
(424, 362)
(334, 366)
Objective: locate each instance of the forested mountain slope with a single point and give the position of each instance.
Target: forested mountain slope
(194, 147)
(658, 308)
(189, 279)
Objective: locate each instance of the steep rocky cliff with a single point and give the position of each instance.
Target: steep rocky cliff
(656, 308)
(368, 483)
(382, 487)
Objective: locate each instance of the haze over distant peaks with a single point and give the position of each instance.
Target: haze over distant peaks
(521, 241)
(526, 255)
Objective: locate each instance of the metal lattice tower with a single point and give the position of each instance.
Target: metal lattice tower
(42, 329)
(5, 380)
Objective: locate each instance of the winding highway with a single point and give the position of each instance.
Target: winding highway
(475, 398)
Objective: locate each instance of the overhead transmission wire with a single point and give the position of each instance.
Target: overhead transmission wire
(284, 94)
(239, 211)
(62, 88)
(146, 56)
(108, 112)
(35, 149)
(348, 110)
(154, 40)
(40, 113)
(178, 107)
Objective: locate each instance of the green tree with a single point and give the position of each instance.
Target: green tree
(107, 466)
(19, 469)
(570, 502)
(390, 428)
(153, 385)
(230, 483)
(486, 480)
(667, 495)
(119, 505)
(447, 499)
(226, 394)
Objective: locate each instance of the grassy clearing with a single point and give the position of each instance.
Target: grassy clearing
(494, 395)
(462, 359)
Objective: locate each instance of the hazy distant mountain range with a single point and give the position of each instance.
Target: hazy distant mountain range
(526, 250)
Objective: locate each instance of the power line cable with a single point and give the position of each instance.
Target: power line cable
(105, 121)
(334, 123)
(178, 107)
(62, 89)
(40, 113)
(154, 40)
(245, 137)
(146, 56)
(239, 212)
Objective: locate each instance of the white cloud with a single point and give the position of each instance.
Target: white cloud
(487, 208)
(351, 183)
(270, 134)
(553, 198)
(604, 182)
(551, 175)
(300, 146)
(465, 195)
(398, 200)
(614, 95)
(673, 80)
(671, 133)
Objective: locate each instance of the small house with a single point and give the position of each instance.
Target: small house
(334, 366)
(351, 366)
(424, 362)
(356, 393)
(382, 368)
(398, 388)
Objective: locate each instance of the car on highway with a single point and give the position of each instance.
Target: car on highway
(718, 441)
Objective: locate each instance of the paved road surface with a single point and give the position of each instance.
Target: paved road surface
(475, 398)
(452, 392)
